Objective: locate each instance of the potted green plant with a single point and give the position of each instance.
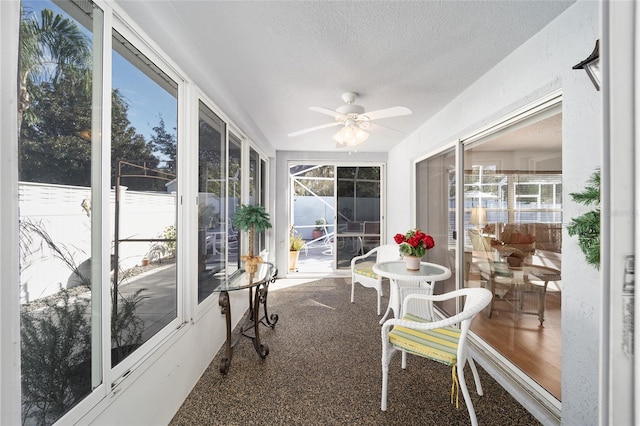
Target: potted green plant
(296, 243)
(318, 230)
(252, 219)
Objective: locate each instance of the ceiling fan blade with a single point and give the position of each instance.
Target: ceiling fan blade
(328, 111)
(311, 129)
(378, 125)
(387, 112)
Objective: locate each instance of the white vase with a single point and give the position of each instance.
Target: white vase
(293, 259)
(412, 262)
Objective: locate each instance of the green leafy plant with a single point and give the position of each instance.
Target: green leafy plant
(296, 242)
(160, 250)
(55, 356)
(169, 233)
(319, 224)
(253, 219)
(587, 226)
(56, 332)
(126, 326)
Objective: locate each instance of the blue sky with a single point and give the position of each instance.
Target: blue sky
(147, 100)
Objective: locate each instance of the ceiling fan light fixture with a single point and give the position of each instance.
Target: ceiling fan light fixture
(361, 135)
(353, 119)
(350, 136)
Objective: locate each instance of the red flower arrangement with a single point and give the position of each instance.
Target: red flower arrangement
(414, 243)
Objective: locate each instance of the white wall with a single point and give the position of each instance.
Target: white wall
(541, 65)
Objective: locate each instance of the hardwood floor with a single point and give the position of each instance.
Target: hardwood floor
(534, 349)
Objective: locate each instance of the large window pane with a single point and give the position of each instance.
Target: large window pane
(262, 190)
(513, 228)
(234, 189)
(254, 192)
(511, 236)
(59, 295)
(212, 224)
(143, 166)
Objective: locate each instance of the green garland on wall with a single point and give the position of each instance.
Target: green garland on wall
(587, 226)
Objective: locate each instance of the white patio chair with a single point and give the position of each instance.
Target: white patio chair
(439, 340)
(362, 268)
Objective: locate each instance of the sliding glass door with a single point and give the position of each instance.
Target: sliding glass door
(513, 228)
(436, 215)
(337, 210)
(358, 213)
(495, 212)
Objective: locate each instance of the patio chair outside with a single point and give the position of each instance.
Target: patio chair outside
(371, 238)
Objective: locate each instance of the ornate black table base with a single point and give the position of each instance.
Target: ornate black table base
(255, 301)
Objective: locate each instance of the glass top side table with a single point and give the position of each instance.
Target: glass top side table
(240, 280)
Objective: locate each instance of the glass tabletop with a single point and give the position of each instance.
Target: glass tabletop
(398, 270)
(241, 279)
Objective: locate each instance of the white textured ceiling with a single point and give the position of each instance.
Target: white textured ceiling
(264, 63)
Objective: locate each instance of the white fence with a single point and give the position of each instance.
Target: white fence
(64, 214)
(308, 209)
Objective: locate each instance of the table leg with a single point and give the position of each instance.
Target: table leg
(541, 302)
(269, 321)
(254, 320)
(393, 300)
(225, 362)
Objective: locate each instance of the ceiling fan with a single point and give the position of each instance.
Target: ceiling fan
(354, 120)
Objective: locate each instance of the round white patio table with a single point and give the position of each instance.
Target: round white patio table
(403, 282)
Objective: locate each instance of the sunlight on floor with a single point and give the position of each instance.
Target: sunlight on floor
(282, 283)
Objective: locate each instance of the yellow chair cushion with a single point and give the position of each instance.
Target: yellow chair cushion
(367, 271)
(440, 344)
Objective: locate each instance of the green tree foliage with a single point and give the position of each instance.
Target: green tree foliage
(129, 146)
(55, 149)
(211, 170)
(166, 144)
(58, 148)
(52, 49)
(55, 142)
(587, 226)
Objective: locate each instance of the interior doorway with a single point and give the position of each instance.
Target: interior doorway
(337, 210)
